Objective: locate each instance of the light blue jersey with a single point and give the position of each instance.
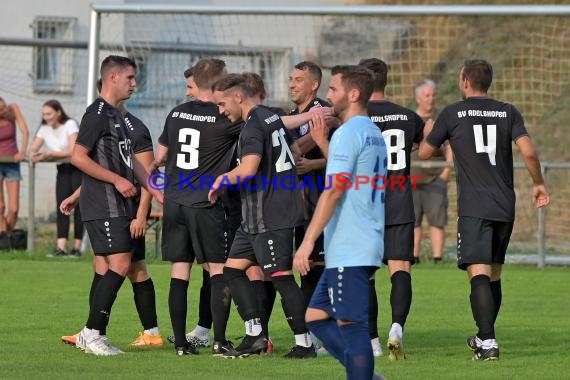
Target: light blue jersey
(354, 236)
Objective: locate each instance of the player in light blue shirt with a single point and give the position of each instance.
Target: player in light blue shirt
(357, 153)
(352, 209)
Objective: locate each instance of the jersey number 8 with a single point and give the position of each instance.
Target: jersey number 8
(396, 146)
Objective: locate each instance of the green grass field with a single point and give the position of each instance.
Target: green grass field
(41, 299)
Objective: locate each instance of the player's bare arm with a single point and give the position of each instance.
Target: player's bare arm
(540, 194)
(295, 121)
(304, 165)
(320, 133)
(81, 160)
(159, 157)
(303, 145)
(448, 158)
(69, 203)
(325, 209)
(138, 225)
(247, 167)
(142, 174)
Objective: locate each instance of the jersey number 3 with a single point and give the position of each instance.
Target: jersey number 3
(491, 147)
(189, 138)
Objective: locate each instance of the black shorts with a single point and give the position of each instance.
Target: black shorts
(191, 233)
(482, 241)
(110, 236)
(271, 250)
(318, 254)
(399, 243)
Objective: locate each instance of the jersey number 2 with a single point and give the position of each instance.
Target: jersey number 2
(491, 147)
(278, 139)
(187, 159)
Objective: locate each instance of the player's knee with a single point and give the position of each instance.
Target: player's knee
(120, 268)
(315, 315)
(137, 272)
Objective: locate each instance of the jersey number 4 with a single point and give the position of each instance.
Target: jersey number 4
(189, 138)
(491, 147)
(285, 160)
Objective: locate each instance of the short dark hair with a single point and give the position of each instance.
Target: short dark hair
(189, 72)
(356, 77)
(56, 105)
(208, 71)
(99, 85)
(231, 81)
(255, 82)
(114, 61)
(479, 73)
(312, 68)
(380, 70)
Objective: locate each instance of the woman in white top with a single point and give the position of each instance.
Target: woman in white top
(58, 133)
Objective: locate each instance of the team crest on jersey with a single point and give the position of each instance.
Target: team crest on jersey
(125, 152)
(304, 129)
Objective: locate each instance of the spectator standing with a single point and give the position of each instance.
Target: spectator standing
(10, 116)
(57, 133)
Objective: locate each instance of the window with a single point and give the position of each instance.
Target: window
(53, 67)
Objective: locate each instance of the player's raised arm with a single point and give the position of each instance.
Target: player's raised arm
(247, 167)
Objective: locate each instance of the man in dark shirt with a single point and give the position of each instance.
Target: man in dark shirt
(196, 145)
(481, 131)
(271, 208)
(103, 151)
(304, 83)
(401, 128)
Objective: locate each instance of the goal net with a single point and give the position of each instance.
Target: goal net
(530, 56)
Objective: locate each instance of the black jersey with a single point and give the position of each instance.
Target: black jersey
(270, 201)
(314, 181)
(199, 141)
(141, 142)
(481, 131)
(140, 135)
(104, 133)
(401, 128)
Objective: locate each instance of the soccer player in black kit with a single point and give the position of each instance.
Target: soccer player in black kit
(481, 131)
(401, 128)
(104, 154)
(269, 213)
(304, 82)
(196, 144)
